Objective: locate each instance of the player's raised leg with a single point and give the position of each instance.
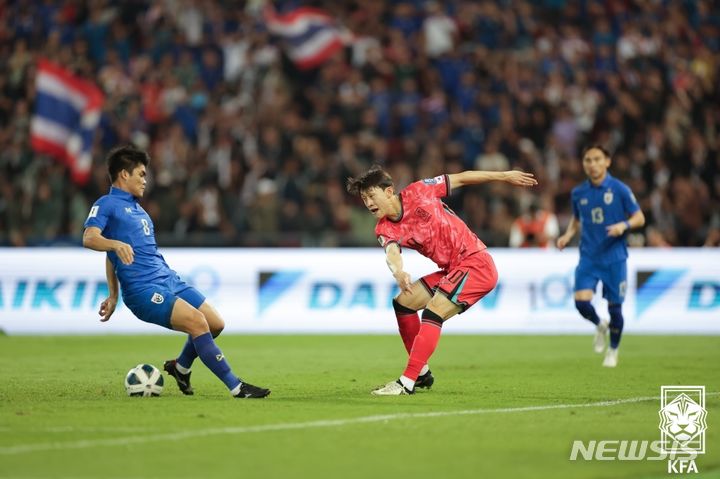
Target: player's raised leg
(193, 322)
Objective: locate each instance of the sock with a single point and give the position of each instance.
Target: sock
(187, 355)
(424, 370)
(214, 359)
(236, 390)
(407, 382)
(616, 324)
(182, 369)
(423, 347)
(408, 324)
(587, 311)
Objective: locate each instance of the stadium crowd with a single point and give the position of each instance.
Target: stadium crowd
(248, 150)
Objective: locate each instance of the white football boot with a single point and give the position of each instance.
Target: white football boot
(611, 358)
(601, 336)
(394, 388)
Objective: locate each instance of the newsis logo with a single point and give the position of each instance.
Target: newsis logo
(682, 435)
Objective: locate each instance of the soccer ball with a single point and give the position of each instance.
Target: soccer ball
(144, 380)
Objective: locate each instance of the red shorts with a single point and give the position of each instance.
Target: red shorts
(467, 283)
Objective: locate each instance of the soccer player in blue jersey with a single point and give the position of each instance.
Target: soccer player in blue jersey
(154, 293)
(604, 209)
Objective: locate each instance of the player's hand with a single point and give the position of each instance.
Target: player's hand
(107, 308)
(124, 252)
(562, 242)
(520, 178)
(618, 229)
(403, 281)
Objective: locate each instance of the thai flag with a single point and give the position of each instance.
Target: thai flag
(67, 112)
(312, 36)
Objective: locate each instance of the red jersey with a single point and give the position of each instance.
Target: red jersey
(428, 226)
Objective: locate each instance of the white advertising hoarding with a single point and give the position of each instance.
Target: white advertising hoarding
(59, 290)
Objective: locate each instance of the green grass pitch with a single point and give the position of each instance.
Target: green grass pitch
(502, 406)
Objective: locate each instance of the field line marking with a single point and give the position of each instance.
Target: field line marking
(177, 436)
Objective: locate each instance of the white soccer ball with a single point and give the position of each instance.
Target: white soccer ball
(144, 380)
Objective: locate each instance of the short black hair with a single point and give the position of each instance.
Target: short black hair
(375, 176)
(125, 157)
(596, 146)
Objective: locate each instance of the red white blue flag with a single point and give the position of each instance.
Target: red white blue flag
(67, 113)
(311, 35)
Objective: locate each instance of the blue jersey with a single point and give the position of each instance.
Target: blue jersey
(597, 207)
(120, 217)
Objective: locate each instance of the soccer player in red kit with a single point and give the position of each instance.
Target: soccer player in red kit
(417, 219)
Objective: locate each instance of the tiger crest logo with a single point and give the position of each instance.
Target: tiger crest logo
(683, 418)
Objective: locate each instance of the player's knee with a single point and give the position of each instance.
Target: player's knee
(428, 316)
(584, 308)
(399, 308)
(217, 328)
(197, 323)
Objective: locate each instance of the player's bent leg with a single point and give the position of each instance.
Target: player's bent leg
(438, 310)
(406, 306)
(192, 321)
(408, 323)
(187, 355)
(213, 318)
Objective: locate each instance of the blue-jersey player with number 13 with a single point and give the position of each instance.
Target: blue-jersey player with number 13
(604, 209)
(154, 293)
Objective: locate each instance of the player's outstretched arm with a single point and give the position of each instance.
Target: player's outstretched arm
(571, 231)
(107, 307)
(393, 258)
(637, 220)
(94, 240)
(475, 177)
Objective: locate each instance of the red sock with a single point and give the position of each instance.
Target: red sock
(423, 347)
(409, 325)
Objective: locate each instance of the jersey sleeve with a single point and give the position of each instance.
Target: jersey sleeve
(99, 214)
(384, 238)
(438, 187)
(629, 203)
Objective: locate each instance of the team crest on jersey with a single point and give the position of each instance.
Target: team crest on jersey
(422, 214)
(157, 298)
(608, 197)
(584, 201)
(433, 181)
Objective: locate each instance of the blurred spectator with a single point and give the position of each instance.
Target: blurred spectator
(535, 227)
(248, 150)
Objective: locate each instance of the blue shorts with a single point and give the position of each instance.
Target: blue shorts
(154, 303)
(612, 275)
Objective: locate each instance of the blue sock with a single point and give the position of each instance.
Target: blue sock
(188, 354)
(587, 311)
(616, 324)
(214, 359)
